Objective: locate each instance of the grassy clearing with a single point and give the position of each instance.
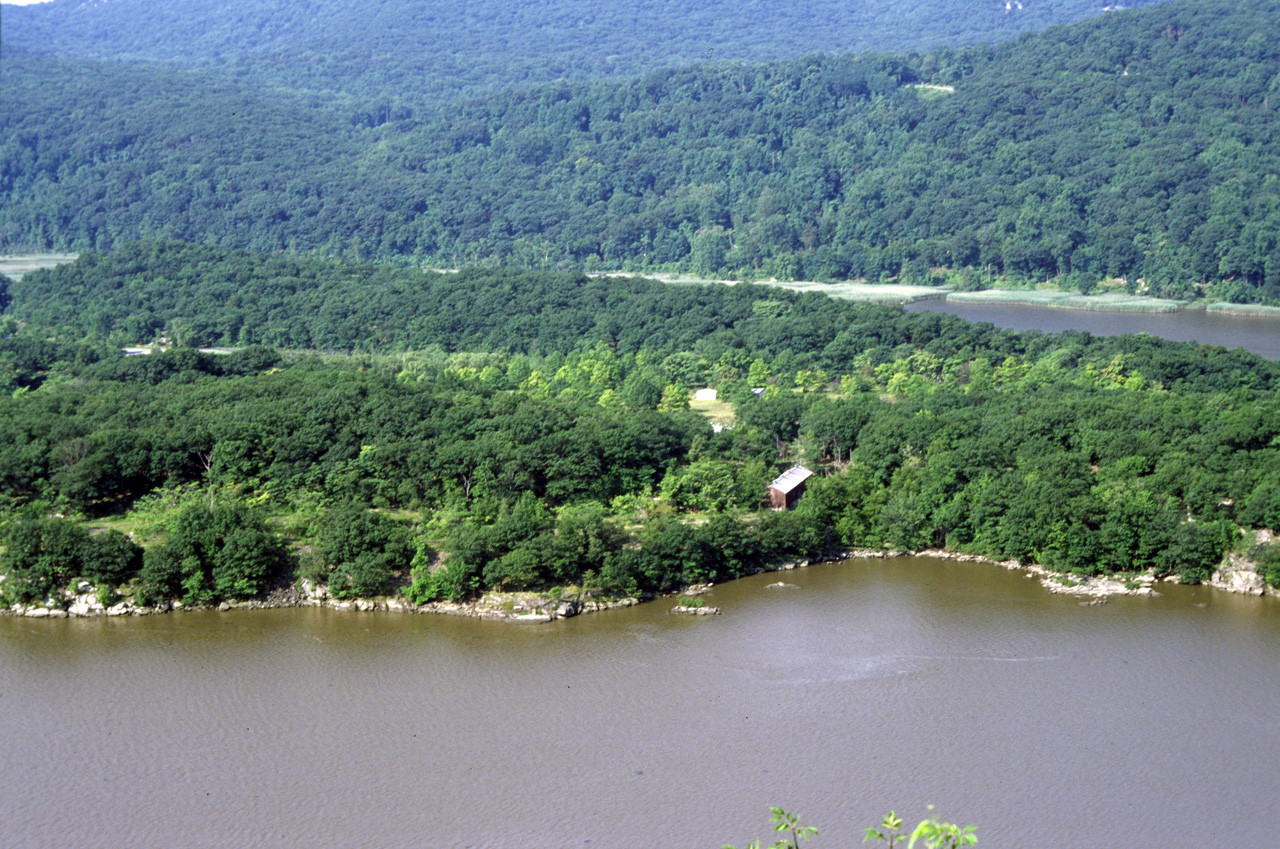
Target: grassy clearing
(1112, 302)
(929, 91)
(716, 412)
(1242, 309)
(125, 523)
(14, 267)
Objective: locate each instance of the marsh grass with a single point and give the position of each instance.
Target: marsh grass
(1242, 309)
(876, 293)
(14, 267)
(880, 293)
(1113, 302)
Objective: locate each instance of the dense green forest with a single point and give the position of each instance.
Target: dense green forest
(1139, 145)
(411, 51)
(515, 429)
(525, 423)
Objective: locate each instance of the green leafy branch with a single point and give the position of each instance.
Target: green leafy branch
(935, 833)
(783, 821)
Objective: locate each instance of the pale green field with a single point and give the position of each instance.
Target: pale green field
(14, 267)
(716, 412)
(928, 91)
(1068, 300)
(1242, 309)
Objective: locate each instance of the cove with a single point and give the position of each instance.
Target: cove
(873, 684)
(1258, 334)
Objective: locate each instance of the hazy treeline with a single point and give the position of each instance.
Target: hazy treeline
(1139, 145)
(406, 54)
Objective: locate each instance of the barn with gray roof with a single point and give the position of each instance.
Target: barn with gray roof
(787, 487)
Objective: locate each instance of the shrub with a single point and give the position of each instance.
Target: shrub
(43, 555)
(218, 551)
(362, 551)
(110, 559)
(1267, 558)
(1195, 549)
(454, 582)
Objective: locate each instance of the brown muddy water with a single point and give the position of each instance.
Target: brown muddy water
(875, 684)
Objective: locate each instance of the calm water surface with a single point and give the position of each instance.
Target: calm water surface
(875, 685)
(1259, 334)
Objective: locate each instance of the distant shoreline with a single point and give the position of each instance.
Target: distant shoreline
(1109, 302)
(898, 293)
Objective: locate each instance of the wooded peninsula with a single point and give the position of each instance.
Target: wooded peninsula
(382, 354)
(390, 430)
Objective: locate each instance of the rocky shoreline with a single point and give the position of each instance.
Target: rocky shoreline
(515, 607)
(1235, 575)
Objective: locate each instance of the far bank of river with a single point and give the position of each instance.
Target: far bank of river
(1259, 334)
(1101, 315)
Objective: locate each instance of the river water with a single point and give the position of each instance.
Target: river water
(1259, 334)
(875, 684)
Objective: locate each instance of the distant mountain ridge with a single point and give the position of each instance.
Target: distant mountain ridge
(1141, 145)
(485, 43)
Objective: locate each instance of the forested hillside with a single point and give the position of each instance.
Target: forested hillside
(1140, 145)
(414, 51)
(535, 427)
